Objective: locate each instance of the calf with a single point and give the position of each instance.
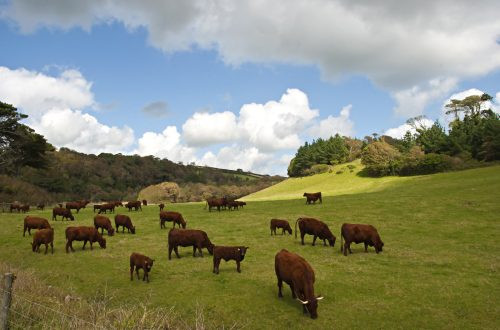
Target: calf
(139, 261)
(125, 222)
(198, 239)
(278, 223)
(299, 275)
(75, 206)
(40, 206)
(43, 236)
(84, 234)
(174, 217)
(24, 208)
(232, 205)
(34, 223)
(144, 202)
(103, 223)
(107, 207)
(236, 253)
(162, 206)
(313, 197)
(136, 205)
(314, 227)
(63, 212)
(357, 233)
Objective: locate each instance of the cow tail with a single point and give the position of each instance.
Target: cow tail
(341, 240)
(296, 227)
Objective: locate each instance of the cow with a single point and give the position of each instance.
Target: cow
(75, 206)
(97, 207)
(314, 227)
(15, 206)
(43, 236)
(117, 203)
(103, 223)
(216, 202)
(233, 205)
(358, 233)
(174, 217)
(236, 253)
(144, 202)
(162, 206)
(31, 222)
(125, 222)
(107, 207)
(134, 205)
(40, 206)
(278, 223)
(24, 208)
(313, 197)
(299, 275)
(139, 261)
(85, 234)
(65, 213)
(241, 204)
(198, 239)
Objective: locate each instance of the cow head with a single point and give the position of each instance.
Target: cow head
(242, 250)
(111, 232)
(378, 244)
(305, 195)
(102, 241)
(71, 216)
(288, 229)
(148, 264)
(210, 248)
(132, 229)
(184, 223)
(312, 305)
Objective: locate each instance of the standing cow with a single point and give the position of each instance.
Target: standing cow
(103, 222)
(174, 217)
(31, 222)
(236, 253)
(43, 236)
(85, 234)
(358, 233)
(198, 239)
(314, 227)
(136, 205)
(125, 222)
(139, 261)
(278, 223)
(63, 212)
(313, 197)
(162, 206)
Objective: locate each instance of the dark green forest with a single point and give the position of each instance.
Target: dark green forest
(472, 139)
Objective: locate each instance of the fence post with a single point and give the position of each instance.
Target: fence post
(7, 297)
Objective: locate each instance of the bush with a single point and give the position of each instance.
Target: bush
(380, 159)
(317, 169)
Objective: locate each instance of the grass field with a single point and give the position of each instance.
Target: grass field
(439, 268)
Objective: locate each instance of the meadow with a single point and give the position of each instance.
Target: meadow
(439, 268)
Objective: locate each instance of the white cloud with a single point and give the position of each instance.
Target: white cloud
(234, 156)
(204, 128)
(330, 126)
(400, 131)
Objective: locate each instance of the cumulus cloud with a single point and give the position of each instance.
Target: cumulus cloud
(204, 128)
(330, 126)
(55, 107)
(235, 156)
(400, 131)
(156, 109)
(455, 39)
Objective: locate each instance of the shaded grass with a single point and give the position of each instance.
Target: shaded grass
(439, 268)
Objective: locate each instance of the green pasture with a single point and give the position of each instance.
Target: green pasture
(439, 268)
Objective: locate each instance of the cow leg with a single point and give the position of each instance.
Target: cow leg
(84, 243)
(52, 247)
(314, 240)
(302, 237)
(137, 272)
(280, 285)
(46, 247)
(346, 246)
(238, 266)
(282, 231)
(194, 250)
(170, 252)
(29, 231)
(216, 265)
(349, 247)
(366, 247)
(132, 272)
(91, 242)
(294, 296)
(201, 251)
(176, 250)
(123, 229)
(304, 309)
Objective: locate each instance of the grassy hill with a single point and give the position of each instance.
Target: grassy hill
(439, 269)
(330, 184)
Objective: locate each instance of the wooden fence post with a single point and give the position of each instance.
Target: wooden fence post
(6, 299)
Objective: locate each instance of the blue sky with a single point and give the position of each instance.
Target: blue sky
(86, 73)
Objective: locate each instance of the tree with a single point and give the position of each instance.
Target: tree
(380, 158)
(433, 139)
(471, 105)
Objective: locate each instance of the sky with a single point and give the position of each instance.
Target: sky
(240, 84)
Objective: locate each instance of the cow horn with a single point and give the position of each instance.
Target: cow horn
(319, 297)
(302, 301)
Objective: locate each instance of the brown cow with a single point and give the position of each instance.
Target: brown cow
(144, 202)
(107, 207)
(299, 275)
(31, 222)
(134, 205)
(15, 206)
(198, 239)
(75, 206)
(24, 208)
(103, 223)
(314, 227)
(84, 234)
(216, 202)
(97, 207)
(65, 213)
(117, 203)
(162, 206)
(43, 236)
(174, 217)
(357, 233)
(236, 253)
(313, 197)
(278, 223)
(125, 222)
(241, 204)
(232, 205)
(137, 261)
(40, 206)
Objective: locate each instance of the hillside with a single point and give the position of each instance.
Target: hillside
(330, 184)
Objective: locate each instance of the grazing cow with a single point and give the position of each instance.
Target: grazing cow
(313, 197)
(174, 217)
(236, 253)
(97, 207)
(75, 206)
(241, 204)
(232, 205)
(103, 223)
(134, 205)
(139, 261)
(162, 206)
(65, 213)
(125, 222)
(40, 206)
(357, 233)
(198, 239)
(107, 207)
(24, 208)
(299, 275)
(43, 236)
(31, 222)
(278, 223)
(117, 203)
(216, 202)
(144, 202)
(85, 234)
(15, 206)
(314, 227)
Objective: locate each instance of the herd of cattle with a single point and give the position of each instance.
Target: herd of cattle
(289, 267)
